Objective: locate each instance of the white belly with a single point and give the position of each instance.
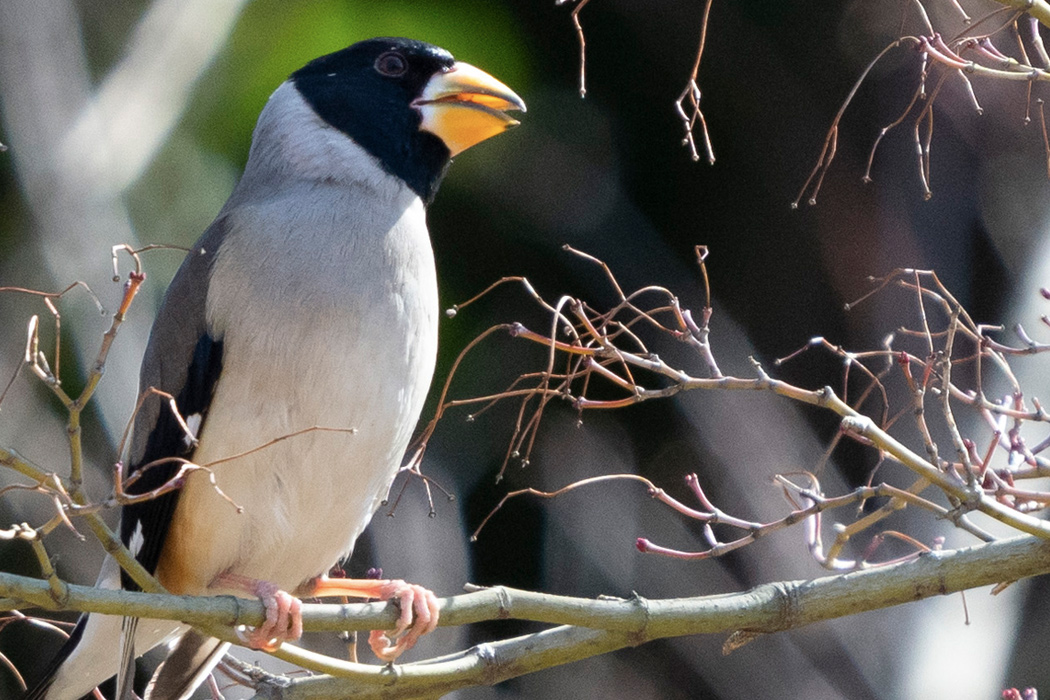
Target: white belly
(354, 351)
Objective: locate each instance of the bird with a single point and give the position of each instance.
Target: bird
(308, 311)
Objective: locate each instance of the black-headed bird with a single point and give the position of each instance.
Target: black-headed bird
(310, 302)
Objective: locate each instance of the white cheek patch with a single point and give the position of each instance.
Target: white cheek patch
(193, 422)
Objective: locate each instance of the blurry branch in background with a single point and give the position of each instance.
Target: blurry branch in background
(129, 116)
(687, 106)
(79, 142)
(971, 50)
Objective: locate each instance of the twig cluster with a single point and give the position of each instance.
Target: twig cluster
(974, 51)
(942, 366)
(687, 106)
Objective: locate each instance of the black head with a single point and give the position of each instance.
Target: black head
(367, 90)
(409, 104)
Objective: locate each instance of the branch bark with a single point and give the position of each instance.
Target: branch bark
(585, 627)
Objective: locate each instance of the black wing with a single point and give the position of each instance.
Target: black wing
(168, 439)
(184, 359)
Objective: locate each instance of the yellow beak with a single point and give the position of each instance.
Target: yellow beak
(465, 106)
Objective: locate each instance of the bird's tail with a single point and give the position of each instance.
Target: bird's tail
(189, 662)
(91, 655)
(38, 691)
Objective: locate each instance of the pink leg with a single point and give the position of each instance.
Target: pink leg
(284, 617)
(419, 609)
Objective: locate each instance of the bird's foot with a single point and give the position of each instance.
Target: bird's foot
(419, 609)
(284, 616)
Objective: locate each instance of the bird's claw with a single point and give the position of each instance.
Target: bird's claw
(419, 616)
(283, 623)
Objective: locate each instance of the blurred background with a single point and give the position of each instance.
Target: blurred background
(129, 123)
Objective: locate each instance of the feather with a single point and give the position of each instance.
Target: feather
(126, 669)
(167, 439)
(192, 658)
(39, 690)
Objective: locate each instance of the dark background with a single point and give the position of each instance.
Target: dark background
(607, 175)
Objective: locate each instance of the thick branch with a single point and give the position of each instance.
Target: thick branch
(767, 608)
(1040, 9)
(590, 627)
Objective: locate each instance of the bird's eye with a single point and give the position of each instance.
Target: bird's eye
(391, 64)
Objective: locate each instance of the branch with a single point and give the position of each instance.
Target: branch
(587, 627)
(1040, 9)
